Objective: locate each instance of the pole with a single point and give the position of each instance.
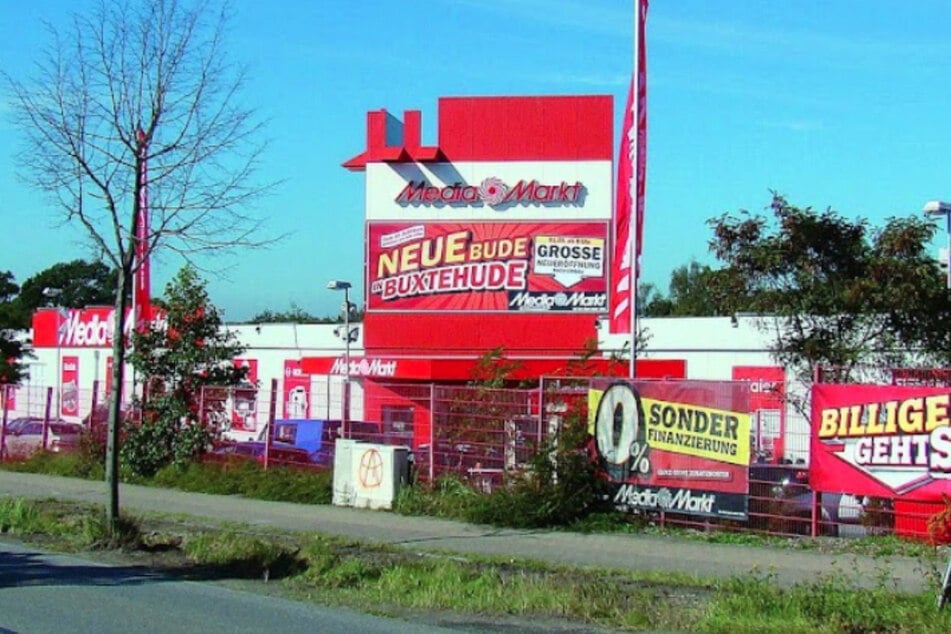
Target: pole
(947, 215)
(637, 149)
(345, 422)
(59, 362)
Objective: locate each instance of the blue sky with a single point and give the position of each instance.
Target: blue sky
(841, 103)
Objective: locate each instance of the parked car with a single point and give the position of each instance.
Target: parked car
(280, 452)
(781, 501)
(27, 438)
(17, 423)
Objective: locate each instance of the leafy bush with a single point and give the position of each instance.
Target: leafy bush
(560, 488)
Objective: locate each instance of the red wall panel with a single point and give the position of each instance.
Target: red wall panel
(455, 333)
(526, 128)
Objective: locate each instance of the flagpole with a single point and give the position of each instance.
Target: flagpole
(632, 187)
(635, 192)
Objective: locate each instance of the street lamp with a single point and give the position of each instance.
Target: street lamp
(940, 208)
(340, 285)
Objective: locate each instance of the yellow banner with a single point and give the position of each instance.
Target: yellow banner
(698, 431)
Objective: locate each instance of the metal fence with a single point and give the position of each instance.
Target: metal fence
(482, 436)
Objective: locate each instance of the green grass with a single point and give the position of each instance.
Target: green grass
(72, 465)
(235, 477)
(388, 579)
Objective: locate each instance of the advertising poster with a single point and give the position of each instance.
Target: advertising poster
(108, 376)
(296, 391)
(244, 399)
(673, 447)
(767, 404)
(69, 387)
(8, 395)
(881, 441)
(489, 266)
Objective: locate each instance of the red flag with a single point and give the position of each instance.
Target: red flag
(631, 187)
(143, 293)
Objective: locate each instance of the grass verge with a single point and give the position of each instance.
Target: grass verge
(390, 580)
(231, 477)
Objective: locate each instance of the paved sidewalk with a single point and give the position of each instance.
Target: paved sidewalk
(632, 552)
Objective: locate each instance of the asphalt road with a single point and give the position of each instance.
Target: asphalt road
(55, 593)
(624, 552)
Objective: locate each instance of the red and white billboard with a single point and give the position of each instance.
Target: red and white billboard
(882, 441)
(69, 386)
(502, 266)
(296, 391)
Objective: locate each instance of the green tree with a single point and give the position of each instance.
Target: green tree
(651, 302)
(297, 315)
(75, 284)
(192, 353)
(694, 292)
(133, 84)
(836, 292)
(294, 315)
(11, 348)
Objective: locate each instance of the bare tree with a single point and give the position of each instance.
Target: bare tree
(133, 83)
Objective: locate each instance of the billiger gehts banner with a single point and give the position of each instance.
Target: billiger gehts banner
(677, 447)
(882, 441)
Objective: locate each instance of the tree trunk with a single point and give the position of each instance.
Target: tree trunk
(116, 398)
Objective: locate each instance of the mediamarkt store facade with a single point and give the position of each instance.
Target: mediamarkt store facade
(497, 236)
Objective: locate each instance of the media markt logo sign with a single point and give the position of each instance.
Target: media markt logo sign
(492, 192)
(365, 367)
(663, 499)
(578, 301)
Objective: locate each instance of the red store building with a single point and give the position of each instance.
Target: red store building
(497, 237)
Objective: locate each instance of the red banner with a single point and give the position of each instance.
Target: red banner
(69, 387)
(881, 441)
(526, 266)
(143, 288)
(296, 391)
(631, 175)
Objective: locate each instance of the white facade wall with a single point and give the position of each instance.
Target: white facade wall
(711, 347)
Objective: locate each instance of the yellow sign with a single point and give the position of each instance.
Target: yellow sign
(698, 431)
